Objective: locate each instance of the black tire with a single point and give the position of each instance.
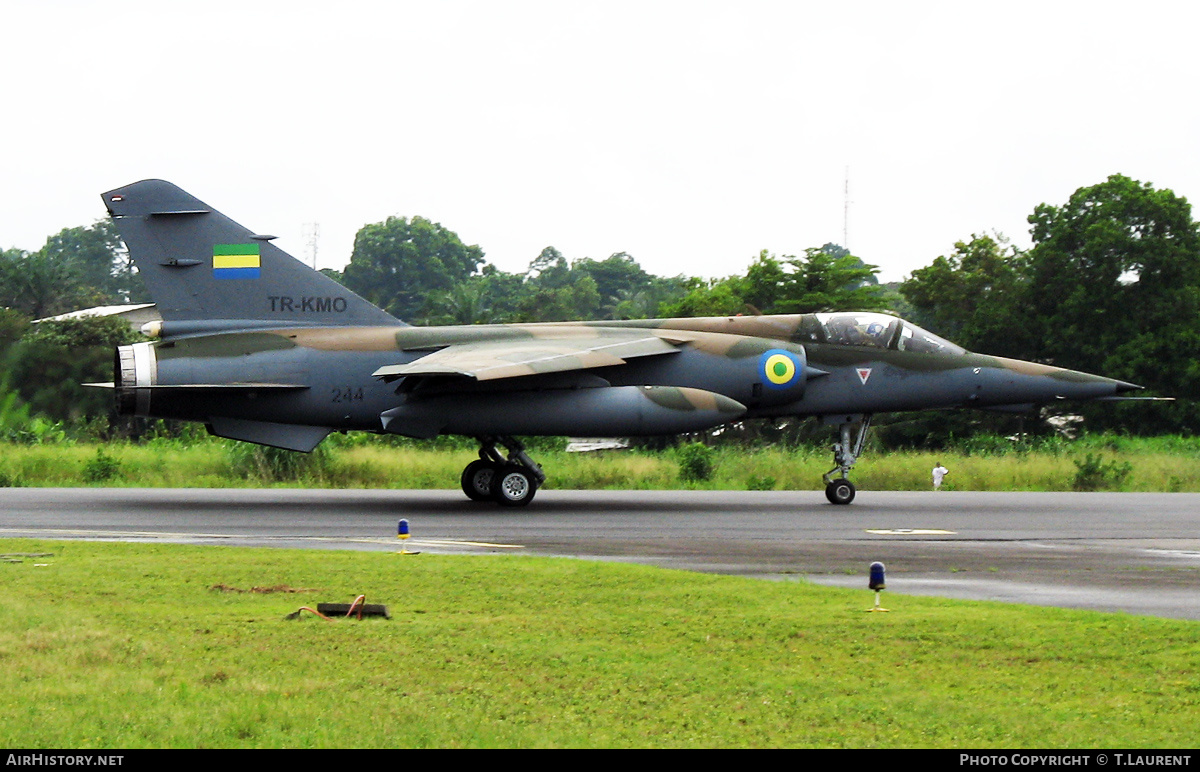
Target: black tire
(513, 486)
(477, 480)
(840, 492)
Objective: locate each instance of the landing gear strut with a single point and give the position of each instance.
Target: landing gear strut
(840, 490)
(508, 481)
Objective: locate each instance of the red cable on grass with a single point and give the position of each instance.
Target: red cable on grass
(318, 613)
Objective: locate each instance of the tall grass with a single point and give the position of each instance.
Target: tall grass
(1168, 464)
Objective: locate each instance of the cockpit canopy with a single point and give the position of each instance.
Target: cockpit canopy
(875, 331)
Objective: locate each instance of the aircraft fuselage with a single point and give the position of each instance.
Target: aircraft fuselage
(327, 368)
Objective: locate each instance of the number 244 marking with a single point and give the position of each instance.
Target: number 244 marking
(348, 394)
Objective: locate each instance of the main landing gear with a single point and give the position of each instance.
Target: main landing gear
(840, 490)
(510, 482)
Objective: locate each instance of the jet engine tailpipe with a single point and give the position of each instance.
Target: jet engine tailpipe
(135, 368)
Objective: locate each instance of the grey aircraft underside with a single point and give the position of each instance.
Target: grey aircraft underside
(261, 348)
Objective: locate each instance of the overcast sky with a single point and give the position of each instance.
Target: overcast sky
(689, 134)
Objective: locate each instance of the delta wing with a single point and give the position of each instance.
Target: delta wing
(491, 360)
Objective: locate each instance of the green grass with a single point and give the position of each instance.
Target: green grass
(1165, 464)
(124, 646)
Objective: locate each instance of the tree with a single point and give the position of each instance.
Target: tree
(550, 267)
(99, 262)
(551, 301)
(821, 281)
(613, 275)
(627, 291)
(50, 364)
(334, 274)
(76, 268)
(39, 286)
(644, 302)
(467, 302)
(1111, 286)
(397, 264)
(973, 295)
(764, 282)
(13, 325)
(703, 297)
(1114, 288)
(555, 290)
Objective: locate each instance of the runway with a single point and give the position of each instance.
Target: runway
(1132, 552)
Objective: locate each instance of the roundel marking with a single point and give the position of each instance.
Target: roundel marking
(779, 369)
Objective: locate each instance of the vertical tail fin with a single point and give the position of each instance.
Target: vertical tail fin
(206, 271)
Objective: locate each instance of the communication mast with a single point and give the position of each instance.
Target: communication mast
(312, 235)
(846, 214)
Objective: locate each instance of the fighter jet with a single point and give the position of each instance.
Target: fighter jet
(261, 348)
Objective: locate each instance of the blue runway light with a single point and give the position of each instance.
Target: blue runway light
(403, 533)
(877, 583)
(877, 577)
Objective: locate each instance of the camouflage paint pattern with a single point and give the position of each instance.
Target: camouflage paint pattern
(285, 355)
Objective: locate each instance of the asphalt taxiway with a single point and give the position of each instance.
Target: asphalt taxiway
(1132, 552)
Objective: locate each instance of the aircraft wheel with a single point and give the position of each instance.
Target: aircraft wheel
(513, 486)
(477, 480)
(840, 492)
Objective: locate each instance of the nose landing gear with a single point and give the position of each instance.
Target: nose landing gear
(840, 490)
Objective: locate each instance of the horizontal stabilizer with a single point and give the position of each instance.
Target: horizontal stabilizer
(209, 386)
(286, 436)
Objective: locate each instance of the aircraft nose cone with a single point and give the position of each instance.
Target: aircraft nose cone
(1019, 382)
(1072, 384)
